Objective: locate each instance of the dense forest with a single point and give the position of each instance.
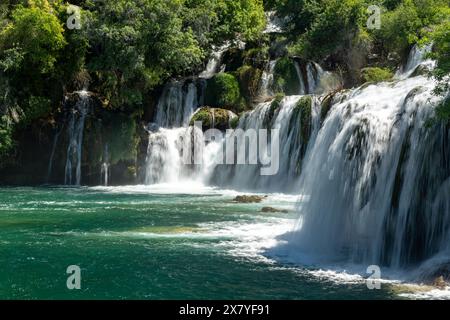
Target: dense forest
(124, 51)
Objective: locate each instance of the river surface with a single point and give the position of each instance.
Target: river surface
(159, 242)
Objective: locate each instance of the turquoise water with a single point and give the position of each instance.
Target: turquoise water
(152, 243)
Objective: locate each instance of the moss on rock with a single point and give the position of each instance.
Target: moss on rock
(326, 105)
(274, 107)
(285, 77)
(249, 79)
(213, 118)
(224, 92)
(257, 57)
(375, 74)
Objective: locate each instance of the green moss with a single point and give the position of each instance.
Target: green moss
(233, 59)
(224, 92)
(285, 77)
(203, 116)
(6, 141)
(249, 79)
(376, 74)
(212, 118)
(303, 110)
(234, 123)
(274, 106)
(119, 132)
(257, 57)
(327, 103)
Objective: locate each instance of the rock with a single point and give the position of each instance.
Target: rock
(273, 210)
(213, 118)
(440, 283)
(421, 70)
(249, 199)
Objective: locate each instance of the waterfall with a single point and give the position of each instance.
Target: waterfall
(297, 127)
(177, 104)
(265, 89)
(376, 179)
(75, 132)
(104, 172)
(302, 86)
(52, 155)
(275, 23)
(171, 156)
(416, 58)
(214, 63)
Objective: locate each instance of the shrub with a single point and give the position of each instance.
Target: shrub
(249, 79)
(224, 92)
(376, 74)
(285, 77)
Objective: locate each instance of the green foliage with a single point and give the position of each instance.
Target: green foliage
(285, 77)
(35, 108)
(326, 26)
(204, 116)
(33, 40)
(406, 22)
(224, 92)
(375, 74)
(257, 57)
(441, 40)
(303, 110)
(249, 79)
(6, 141)
(121, 137)
(242, 19)
(234, 123)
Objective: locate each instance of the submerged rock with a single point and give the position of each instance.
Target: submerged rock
(273, 210)
(249, 199)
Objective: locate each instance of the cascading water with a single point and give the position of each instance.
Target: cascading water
(297, 118)
(374, 178)
(214, 62)
(172, 138)
(417, 57)
(52, 155)
(377, 180)
(302, 86)
(275, 24)
(177, 104)
(75, 132)
(104, 172)
(265, 89)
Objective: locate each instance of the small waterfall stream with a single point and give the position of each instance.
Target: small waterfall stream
(104, 172)
(75, 132)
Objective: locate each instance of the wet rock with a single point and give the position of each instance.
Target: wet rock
(439, 283)
(273, 210)
(249, 199)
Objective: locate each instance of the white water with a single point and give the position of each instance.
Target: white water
(275, 24)
(52, 155)
(177, 104)
(416, 57)
(75, 132)
(292, 144)
(104, 172)
(214, 64)
(265, 89)
(302, 85)
(375, 179)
